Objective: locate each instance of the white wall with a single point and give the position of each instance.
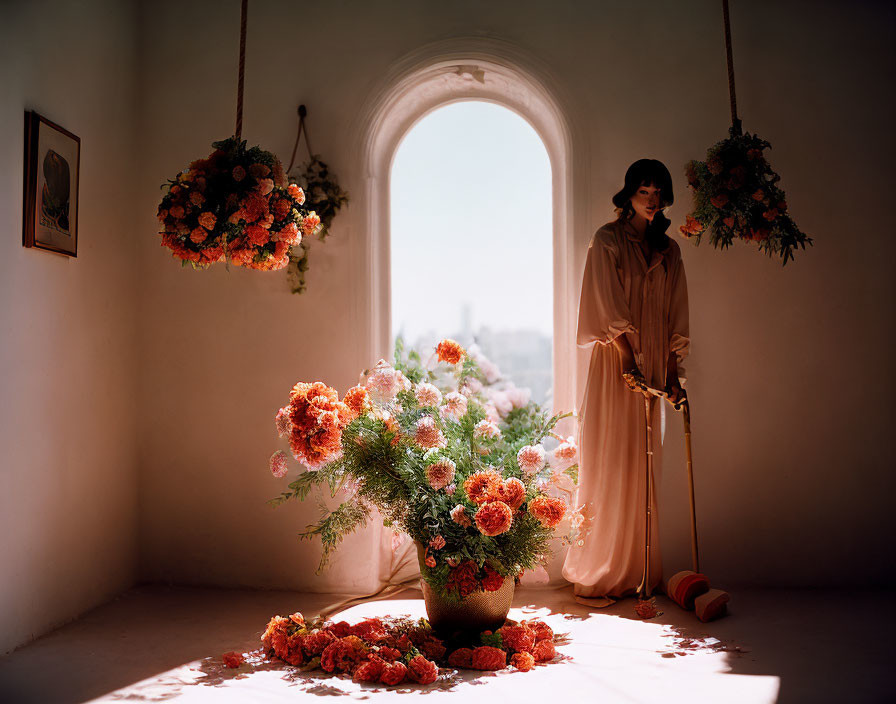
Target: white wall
(789, 435)
(68, 353)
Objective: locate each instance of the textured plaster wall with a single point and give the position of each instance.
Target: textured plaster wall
(789, 435)
(68, 358)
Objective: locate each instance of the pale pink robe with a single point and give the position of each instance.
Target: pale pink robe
(622, 294)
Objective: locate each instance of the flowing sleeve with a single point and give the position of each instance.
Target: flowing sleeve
(679, 326)
(603, 311)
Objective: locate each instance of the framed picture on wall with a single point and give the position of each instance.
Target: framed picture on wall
(52, 164)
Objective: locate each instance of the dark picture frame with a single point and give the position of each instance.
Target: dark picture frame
(52, 178)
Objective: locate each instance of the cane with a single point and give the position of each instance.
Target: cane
(644, 587)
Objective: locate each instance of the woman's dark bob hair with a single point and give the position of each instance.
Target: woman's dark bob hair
(647, 172)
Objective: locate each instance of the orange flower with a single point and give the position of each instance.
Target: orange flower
(485, 657)
(459, 516)
(422, 671)
(449, 351)
(544, 650)
(357, 399)
(198, 235)
(646, 608)
(547, 509)
(461, 658)
(297, 193)
(280, 207)
(758, 195)
(232, 659)
(318, 418)
(259, 171)
(691, 227)
(512, 492)
(719, 200)
(729, 221)
(482, 486)
(493, 518)
(238, 173)
(310, 223)
(522, 661)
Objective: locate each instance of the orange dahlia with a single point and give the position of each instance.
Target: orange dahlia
(482, 486)
(547, 509)
(512, 492)
(317, 418)
(485, 657)
(522, 661)
(493, 518)
(449, 351)
(357, 399)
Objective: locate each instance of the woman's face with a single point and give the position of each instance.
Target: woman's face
(647, 201)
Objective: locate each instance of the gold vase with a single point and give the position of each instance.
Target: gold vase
(476, 612)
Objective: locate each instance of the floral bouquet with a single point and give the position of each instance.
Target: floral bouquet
(736, 195)
(466, 469)
(235, 205)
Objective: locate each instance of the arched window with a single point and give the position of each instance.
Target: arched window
(471, 253)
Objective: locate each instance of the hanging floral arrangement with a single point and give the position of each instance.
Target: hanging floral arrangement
(736, 192)
(235, 205)
(324, 195)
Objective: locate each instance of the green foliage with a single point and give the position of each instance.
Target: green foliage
(495, 640)
(335, 525)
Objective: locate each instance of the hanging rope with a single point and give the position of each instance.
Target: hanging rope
(239, 90)
(303, 112)
(735, 122)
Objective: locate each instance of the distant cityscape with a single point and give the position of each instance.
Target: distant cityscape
(524, 357)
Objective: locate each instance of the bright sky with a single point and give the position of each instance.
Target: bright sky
(471, 223)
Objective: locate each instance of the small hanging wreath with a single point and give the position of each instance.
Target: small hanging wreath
(324, 196)
(736, 192)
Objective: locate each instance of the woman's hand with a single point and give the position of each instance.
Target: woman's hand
(676, 394)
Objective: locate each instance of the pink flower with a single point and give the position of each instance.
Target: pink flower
(486, 429)
(530, 459)
(278, 464)
(455, 406)
(440, 473)
(428, 395)
(565, 455)
(450, 489)
(437, 543)
(459, 516)
(519, 398)
(284, 425)
(208, 221)
(428, 435)
(430, 561)
(384, 382)
(501, 401)
(297, 193)
(265, 186)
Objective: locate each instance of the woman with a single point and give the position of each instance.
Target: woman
(633, 312)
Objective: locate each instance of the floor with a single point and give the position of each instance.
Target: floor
(159, 644)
